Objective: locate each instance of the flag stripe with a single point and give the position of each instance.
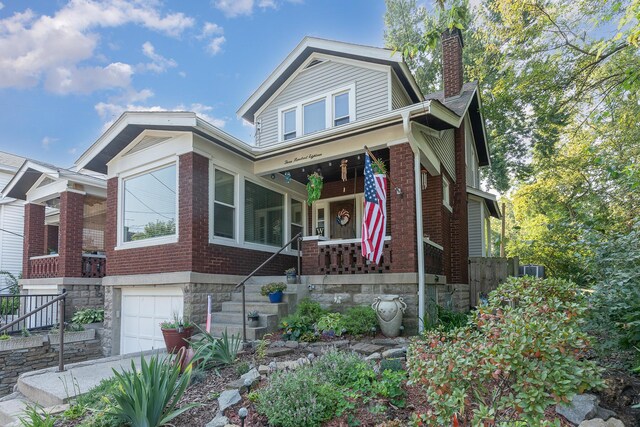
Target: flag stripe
(374, 224)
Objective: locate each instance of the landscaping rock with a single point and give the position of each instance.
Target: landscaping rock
(599, 422)
(278, 351)
(227, 399)
(582, 407)
(339, 343)
(311, 356)
(236, 385)
(368, 349)
(394, 353)
(218, 421)
(277, 344)
(292, 344)
(387, 342)
(605, 414)
(263, 369)
(373, 356)
(252, 377)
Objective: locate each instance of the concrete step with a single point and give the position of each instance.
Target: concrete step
(268, 320)
(12, 409)
(236, 329)
(281, 309)
(257, 297)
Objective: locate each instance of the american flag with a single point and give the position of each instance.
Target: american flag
(374, 223)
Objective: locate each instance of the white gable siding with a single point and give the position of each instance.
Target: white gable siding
(372, 94)
(399, 97)
(11, 219)
(475, 228)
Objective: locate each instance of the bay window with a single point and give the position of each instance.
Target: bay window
(263, 215)
(224, 210)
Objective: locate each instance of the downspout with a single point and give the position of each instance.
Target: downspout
(406, 125)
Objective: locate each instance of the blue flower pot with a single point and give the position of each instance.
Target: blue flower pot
(275, 297)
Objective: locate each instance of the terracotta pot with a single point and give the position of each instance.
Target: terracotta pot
(175, 340)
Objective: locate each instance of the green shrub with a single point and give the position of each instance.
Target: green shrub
(360, 320)
(242, 368)
(330, 322)
(294, 327)
(88, 315)
(520, 354)
(211, 351)
(310, 310)
(391, 365)
(98, 405)
(149, 397)
(295, 399)
(345, 369)
(390, 386)
(34, 416)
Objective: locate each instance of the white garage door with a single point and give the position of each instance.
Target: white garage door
(143, 308)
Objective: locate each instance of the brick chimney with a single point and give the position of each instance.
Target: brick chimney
(452, 62)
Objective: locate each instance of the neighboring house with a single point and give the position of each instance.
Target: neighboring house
(11, 221)
(190, 209)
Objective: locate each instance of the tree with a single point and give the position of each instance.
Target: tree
(156, 229)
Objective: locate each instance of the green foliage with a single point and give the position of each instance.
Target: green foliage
(156, 229)
(299, 326)
(88, 315)
(521, 353)
(11, 283)
(96, 405)
(34, 416)
(211, 351)
(391, 365)
(271, 288)
(5, 336)
(360, 320)
(331, 322)
(314, 187)
(310, 310)
(149, 397)
(242, 368)
(391, 386)
(176, 323)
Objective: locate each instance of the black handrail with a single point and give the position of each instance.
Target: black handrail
(60, 298)
(260, 267)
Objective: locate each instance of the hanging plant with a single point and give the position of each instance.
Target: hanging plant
(314, 187)
(379, 167)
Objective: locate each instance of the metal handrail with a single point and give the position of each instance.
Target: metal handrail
(260, 267)
(60, 298)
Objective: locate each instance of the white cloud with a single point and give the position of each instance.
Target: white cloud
(215, 45)
(159, 63)
(1, 6)
(111, 111)
(73, 150)
(267, 4)
(182, 74)
(232, 8)
(211, 28)
(47, 141)
(33, 48)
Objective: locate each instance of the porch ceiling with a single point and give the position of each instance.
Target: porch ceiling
(330, 169)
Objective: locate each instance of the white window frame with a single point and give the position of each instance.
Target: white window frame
(285, 219)
(212, 202)
(295, 132)
(315, 101)
(325, 203)
(333, 108)
(329, 110)
(446, 193)
(134, 173)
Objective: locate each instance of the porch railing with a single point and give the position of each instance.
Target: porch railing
(13, 307)
(94, 265)
(433, 258)
(346, 258)
(43, 267)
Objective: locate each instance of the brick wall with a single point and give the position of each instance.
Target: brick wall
(402, 218)
(70, 243)
(459, 226)
(16, 362)
(192, 252)
(33, 235)
(452, 62)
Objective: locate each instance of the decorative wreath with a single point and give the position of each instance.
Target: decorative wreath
(343, 217)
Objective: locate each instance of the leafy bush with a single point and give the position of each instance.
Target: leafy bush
(88, 315)
(360, 320)
(97, 405)
(391, 365)
(345, 369)
(310, 310)
(299, 325)
(149, 397)
(330, 322)
(520, 354)
(211, 351)
(272, 288)
(34, 416)
(242, 368)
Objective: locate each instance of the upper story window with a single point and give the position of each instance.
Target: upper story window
(263, 215)
(317, 114)
(224, 209)
(341, 109)
(149, 205)
(289, 124)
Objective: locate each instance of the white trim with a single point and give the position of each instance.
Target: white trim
(432, 243)
(44, 256)
(345, 241)
(446, 193)
(326, 203)
(93, 256)
(212, 202)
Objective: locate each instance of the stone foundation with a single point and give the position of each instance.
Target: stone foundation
(195, 299)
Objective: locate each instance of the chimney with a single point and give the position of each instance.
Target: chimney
(452, 62)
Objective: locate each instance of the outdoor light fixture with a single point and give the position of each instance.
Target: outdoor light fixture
(273, 176)
(243, 413)
(287, 177)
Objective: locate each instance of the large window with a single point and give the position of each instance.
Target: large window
(341, 109)
(149, 205)
(263, 215)
(224, 210)
(314, 117)
(296, 220)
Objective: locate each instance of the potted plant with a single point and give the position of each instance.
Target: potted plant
(291, 275)
(314, 187)
(176, 333)
(273, 291)
(254, 319)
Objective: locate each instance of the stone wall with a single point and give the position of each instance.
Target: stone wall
(454, 297)
(195, 299)
(82, 296)
(16, 362)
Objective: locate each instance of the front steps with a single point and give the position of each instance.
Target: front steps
(230, 318)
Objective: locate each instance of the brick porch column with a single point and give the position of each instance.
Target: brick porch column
(403, 209)
(70, 243)
(459, 222)
(33, 235)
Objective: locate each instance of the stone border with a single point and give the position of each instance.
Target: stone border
(20, 342)
(69, 336)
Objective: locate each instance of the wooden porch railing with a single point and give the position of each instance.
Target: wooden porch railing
(94, 265)
(433, 258)
(346, 258)
(43, 267)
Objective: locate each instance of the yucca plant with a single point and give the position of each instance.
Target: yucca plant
(211, 351)
(148, 397)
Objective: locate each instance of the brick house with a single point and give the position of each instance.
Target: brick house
(188, 210)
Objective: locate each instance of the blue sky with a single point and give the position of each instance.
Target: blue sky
(70, 68)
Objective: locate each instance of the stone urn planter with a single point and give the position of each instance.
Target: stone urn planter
(72, 336)
(389, 310)
(18, 342)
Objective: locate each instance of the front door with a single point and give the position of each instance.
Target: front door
(342, 219)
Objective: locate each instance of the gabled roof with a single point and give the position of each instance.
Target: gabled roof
(489, 200)
(10, 162)
(310, 45)
(468, 101)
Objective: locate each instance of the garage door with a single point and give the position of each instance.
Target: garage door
(143, 308)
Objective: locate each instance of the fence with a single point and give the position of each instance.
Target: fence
(485, 274)
(14, 306)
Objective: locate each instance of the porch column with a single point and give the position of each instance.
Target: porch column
(70, 242)
(33, 235)
(403, 209)
(459, 217)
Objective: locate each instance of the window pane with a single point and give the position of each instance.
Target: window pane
(342, 121)
(314, 117)
(150, 205)
(289, 125)
(263, 215)
(223, 221)
(296, 212)
(341, 106)
(224, 187)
